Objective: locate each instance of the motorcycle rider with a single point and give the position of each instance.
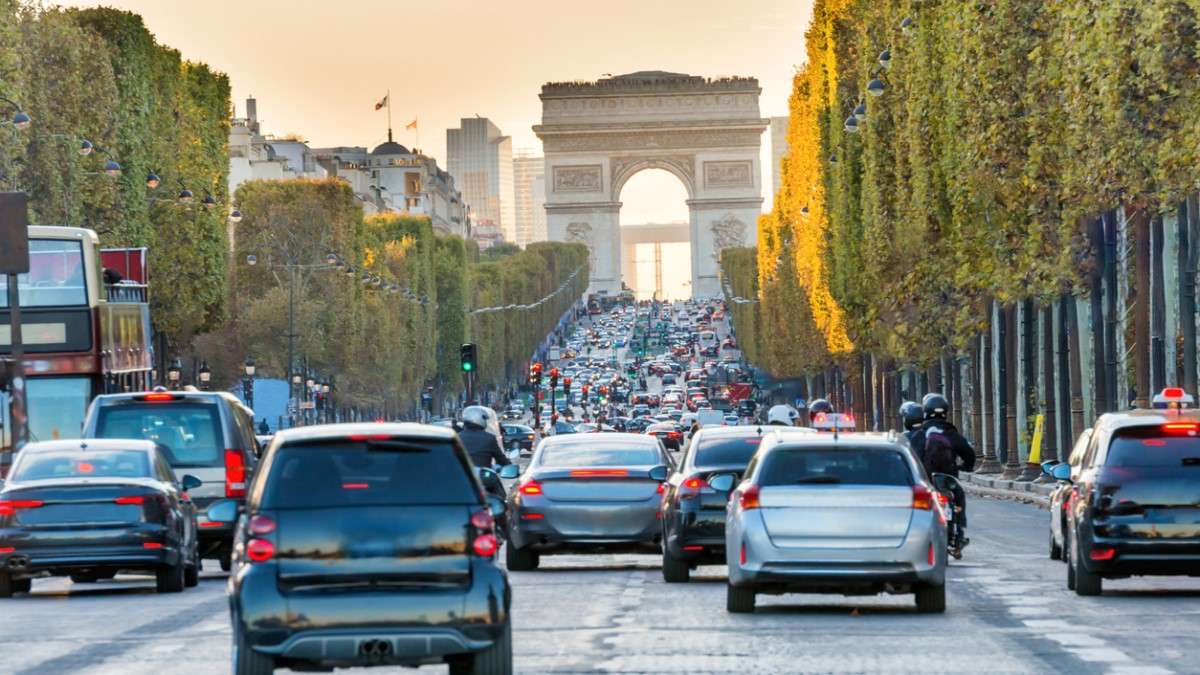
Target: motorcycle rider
(782, 415)
(482, 445)
(940, 447)
(912, 415)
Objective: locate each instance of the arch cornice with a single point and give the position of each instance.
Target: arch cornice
(682, 167)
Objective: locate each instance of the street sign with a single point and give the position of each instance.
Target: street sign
(14, 233)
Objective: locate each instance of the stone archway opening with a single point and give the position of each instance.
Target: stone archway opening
(655, 234)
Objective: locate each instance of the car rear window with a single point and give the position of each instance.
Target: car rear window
(1150, 447)
(367, 473)
(190, 431)
(715, 452)
(595, 454)
(842, 465)
(82, 464)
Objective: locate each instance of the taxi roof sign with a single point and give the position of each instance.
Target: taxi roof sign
(1173, 398)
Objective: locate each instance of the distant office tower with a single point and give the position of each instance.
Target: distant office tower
(779, 129)
(480, 159)
(529, 190)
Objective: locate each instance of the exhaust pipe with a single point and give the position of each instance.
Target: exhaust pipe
(375, 651)
(17, 562)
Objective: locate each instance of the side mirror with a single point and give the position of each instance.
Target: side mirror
(190, 482)
(659, 473)
(722, 482)
(1061, 472)
(486, 474)
(1049, 465)
(224, 511)
(510, 471)
(495, 506)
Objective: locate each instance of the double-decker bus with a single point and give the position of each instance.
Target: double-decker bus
(81, 336)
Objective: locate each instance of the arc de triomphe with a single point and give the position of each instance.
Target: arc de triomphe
(707, 132)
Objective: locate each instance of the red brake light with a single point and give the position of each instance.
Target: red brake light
(929, 556)
(260, 525)
(482, 520)
(693, 483)
(1181, 427)
(260, 550)
(85, 467)
(662, 487)
(152, 545)
(235, 474)
(9, 507)
(1173, 392)
(159, 397)
(369, 437)
(742, 554)
(922, 498)
(749, 498)
(1106, 553)
(531, 487)
(819, 417)
(485, 545)
(7, 549)
(355, 486)
(137, 499)
(599, 473)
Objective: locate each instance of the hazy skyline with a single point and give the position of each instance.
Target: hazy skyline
(317, 68)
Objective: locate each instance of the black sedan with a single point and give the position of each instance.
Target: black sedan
(519, 436)
(91, 508)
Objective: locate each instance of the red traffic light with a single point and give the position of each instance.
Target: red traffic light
(554, 373)
(536, 368)
(567, 381)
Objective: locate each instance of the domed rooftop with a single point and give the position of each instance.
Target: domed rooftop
(390, 148)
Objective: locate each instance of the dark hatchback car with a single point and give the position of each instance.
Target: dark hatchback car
(1134, 506)
(519, 436)
(693, 511)
(668, 433)
(89, 509)
(209, 435)
(368, 544)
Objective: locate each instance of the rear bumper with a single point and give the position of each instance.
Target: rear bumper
(696, 537)
(64, 560)
(329, 628)
(631, 527)
(1150, 557)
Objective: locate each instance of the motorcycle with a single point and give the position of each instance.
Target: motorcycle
(956, 534)
(497, 496)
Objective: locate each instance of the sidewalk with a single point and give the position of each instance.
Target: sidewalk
(994, 486)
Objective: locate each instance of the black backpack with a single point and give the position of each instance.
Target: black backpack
(939, 451)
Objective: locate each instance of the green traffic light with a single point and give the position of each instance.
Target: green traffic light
(468, 367)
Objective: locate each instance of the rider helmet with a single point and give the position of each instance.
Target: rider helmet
(911, 414)
(781, 414)
(818, 406)
(476, 416)
(936, 406)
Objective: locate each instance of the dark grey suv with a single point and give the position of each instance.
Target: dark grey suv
(209, 435)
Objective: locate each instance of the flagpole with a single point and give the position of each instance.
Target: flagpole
(388, 100)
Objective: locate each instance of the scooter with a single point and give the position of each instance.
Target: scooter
(956, 534)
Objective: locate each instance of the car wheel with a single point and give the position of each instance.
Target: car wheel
(674, 570)
(226, 560)
(1056, 552)
(169, 578)
(520, 560)
(84, 578)
(246, 661)
(739, 599)
(1086, 583)
(930, 599)
(1070, 574)
(7, 585)
(495, 660)
(22, 585)
(191, 576)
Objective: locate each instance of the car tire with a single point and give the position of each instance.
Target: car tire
(170, 578)
(1056, 552)
(22, 585)
(246, 661)
(495, 660)
(1070, 573)
(191, 576)
(520, 560)
(1086, 583)
(930, 599)
(674, 570)
(739, 599)
(6, 585)
(226, 560)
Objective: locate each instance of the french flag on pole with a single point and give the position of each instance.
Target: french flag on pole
(382, 102)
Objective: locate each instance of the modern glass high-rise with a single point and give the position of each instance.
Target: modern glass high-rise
(479, 157)
(529, 190)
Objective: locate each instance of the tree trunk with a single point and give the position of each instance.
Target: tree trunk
(1158, 307)
(1141, 308)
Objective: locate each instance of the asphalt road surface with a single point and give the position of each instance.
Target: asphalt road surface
(1008, 611)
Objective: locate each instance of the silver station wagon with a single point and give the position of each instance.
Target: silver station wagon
(852, 514)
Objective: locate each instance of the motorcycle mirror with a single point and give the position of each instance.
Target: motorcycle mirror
(722, 482)
(510, 471)
(1048, 466)
(484, 473)
(1061, 472)
(658, 473)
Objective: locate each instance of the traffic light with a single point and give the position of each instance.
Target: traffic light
(567, 386)
(467, 354)
(554, 378)
(535, 374)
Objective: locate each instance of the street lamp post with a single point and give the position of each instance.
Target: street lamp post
(248, 382)
(205, 376)
(173, 373)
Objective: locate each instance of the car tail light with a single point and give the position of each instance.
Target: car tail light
(531, 487)
(662, 487)
(749, 498)
(599, 473)
(260, 525)
(482, 520)
(1181, 428)
(485, 545)
(260, 550)
(7, 549)
(929, 556)
(369, 437)
(235, 474)
(9, 507)
(922, 498)
(132, 500)
(211, 523)
(819, 418)
(356, 486)
(532, 516)
(742, 554)
(152, 545)
(1105, 553)
(159, 397)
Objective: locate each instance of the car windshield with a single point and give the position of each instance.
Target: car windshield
(1150, 447)
(725, 451)
(591, 453)
(82, 464)
(846, 465)
(191, 431)
(368, 473)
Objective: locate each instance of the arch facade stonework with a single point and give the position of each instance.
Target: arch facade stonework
(597, 135)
